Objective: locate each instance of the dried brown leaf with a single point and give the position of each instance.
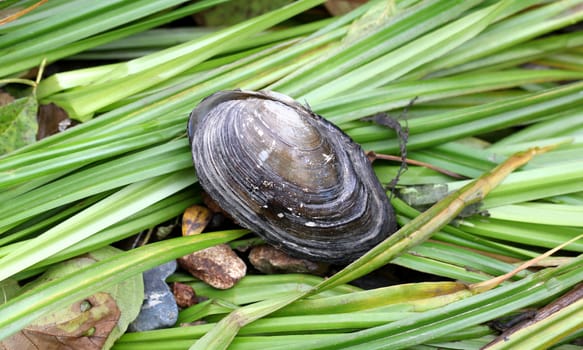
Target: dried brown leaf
(86, 324)
(195, 219)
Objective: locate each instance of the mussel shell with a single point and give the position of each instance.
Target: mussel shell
(289, 175)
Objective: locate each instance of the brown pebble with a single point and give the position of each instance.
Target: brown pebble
(218, 266)
(184, 295)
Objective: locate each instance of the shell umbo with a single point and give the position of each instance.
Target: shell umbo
(289, 175)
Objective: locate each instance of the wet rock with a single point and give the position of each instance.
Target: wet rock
(270, 260)
(159, 309)
(218, 266)
(184, 295)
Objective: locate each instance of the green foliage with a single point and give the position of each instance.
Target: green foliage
(458, 74)
(18, 125)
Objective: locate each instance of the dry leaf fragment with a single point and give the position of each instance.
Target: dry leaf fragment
(92, 323)
(194, 220)
(14, 16)
(86, 324)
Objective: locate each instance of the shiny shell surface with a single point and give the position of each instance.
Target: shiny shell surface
(289, 175)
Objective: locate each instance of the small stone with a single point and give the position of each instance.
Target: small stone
(159, 309)
(270, 260)
(184, 295)
(218, 266)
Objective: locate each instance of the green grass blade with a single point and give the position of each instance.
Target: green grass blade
(397, 30)
(84, 26)
(105, 213)
(475, 120)
(153, 162)
(512, 31)
(517, 55)
(355, 105)
(546, 332)
(145, 72)
(53, 54)
(402, 60)
(459, 315)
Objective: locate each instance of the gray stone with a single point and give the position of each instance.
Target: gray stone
(159, 309)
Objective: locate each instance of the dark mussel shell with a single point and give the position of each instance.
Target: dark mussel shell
(289, 175)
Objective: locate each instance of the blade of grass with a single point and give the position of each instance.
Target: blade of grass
(522, 233)
(153, 162)
(540, 213)
(164, 210)
(156, 39)
(93, 143)
(439, 268)
(80, 77)
(254, 288)
(532, 184)
(402, 60)
(127, 79)
(474, 120)
(454, 235)
(558, 125)
(105, 213)
(47, 219)
(544, 332)
(10, 176)
(352, 106)
(512, 31)
(463, 258)
(397, 30)
(517, 55)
